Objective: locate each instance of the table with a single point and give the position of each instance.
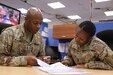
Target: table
(4, 70)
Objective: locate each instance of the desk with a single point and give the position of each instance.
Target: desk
(4, 70)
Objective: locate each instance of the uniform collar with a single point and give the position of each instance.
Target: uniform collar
(26, 34)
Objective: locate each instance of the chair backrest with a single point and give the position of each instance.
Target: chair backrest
(107, 37)
(53, 52)
(3, 26)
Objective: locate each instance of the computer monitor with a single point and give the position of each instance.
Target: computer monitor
(9, 15)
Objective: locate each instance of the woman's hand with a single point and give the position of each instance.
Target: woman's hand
(65, 63)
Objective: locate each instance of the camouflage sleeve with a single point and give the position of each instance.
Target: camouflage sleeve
(41, 52)
(98, 65)
(5, 51)
(105, 56)
(68, 58)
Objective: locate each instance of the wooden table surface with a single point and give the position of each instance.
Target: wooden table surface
(4, 70)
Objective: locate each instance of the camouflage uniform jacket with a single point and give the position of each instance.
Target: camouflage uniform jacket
(15, 45)
(95, 54)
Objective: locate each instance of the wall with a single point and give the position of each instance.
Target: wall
(103, 26)
(51, 41)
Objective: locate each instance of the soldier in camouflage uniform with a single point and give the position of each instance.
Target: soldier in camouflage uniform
(87, 51)
(20, 45)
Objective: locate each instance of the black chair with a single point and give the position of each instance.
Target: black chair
(107, 37)
(53, 52)
(3, 26)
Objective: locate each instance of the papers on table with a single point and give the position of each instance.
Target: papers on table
(42, 64)
(58, 68)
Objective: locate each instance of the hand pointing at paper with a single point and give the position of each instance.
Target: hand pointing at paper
(32, 60)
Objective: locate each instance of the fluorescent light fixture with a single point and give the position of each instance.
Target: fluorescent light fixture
(23, 11)
(46, 20)
(74, 17)
(56, 5)
(101, 0)
(109, 13)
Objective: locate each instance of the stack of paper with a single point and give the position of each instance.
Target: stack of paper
(58, 68)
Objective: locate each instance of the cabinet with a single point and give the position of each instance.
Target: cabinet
(66, 31)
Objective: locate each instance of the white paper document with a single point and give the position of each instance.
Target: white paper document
(58, 68)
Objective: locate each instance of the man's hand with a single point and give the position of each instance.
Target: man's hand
(32, 60)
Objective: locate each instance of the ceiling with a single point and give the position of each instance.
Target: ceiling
(73, 7)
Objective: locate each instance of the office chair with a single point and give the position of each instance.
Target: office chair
(3, 26)
(107, 37)
(53, 52)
